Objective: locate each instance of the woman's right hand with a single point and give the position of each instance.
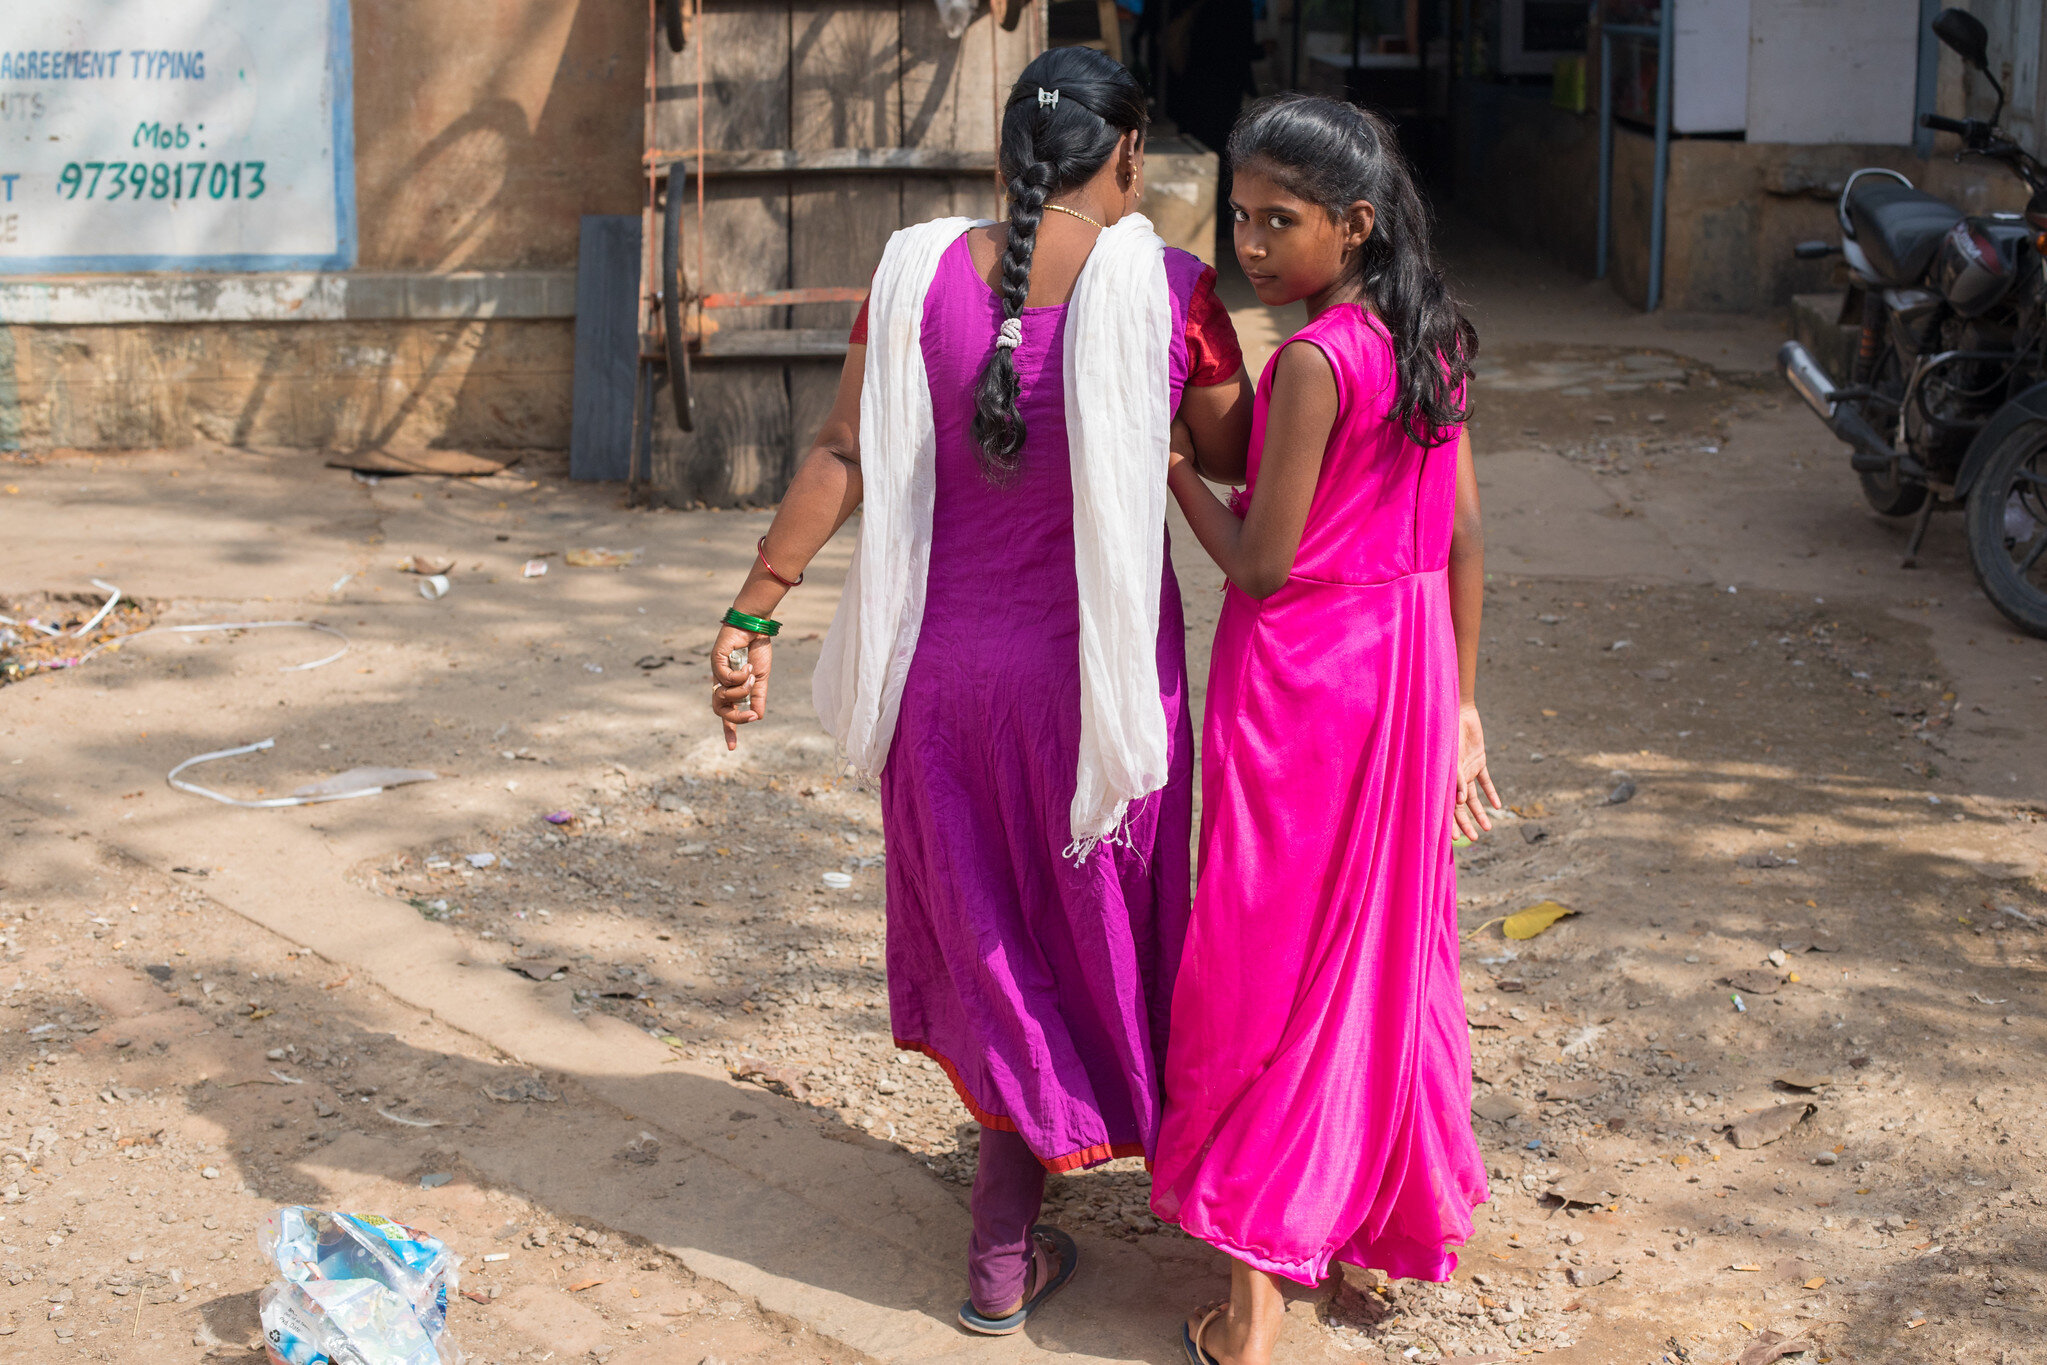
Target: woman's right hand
(739, 692)
(1474, 782)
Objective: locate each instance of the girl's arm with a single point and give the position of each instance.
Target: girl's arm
(1217, 420)
(1257, 553)
(1467, 603)
(823, 494)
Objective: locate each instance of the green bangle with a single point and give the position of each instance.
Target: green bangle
(759, 625)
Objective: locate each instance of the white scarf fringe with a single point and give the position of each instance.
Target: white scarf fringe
(1118, 422)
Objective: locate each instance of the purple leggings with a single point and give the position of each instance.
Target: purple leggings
(1009, 1187)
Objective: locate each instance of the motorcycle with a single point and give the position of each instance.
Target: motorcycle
(1946, 404)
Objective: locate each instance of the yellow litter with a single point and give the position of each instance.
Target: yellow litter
(1536, 918)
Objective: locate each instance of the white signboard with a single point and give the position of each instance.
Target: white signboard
(175, 135)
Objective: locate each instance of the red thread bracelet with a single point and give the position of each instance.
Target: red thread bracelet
(761, 549)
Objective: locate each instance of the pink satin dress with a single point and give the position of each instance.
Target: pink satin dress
(1318, 1074)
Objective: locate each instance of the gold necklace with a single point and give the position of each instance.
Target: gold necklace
(1076, 213)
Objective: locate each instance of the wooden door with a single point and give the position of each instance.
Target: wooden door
(826, 126)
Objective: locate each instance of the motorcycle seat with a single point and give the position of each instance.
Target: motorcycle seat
(1897, 227)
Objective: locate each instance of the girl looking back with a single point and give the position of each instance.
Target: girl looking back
(1318, 1071)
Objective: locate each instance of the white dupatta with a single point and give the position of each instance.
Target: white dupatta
(1118, 350)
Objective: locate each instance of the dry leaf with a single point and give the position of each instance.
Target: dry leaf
(1536, 918)
(581, 1285)
(1816, 1282)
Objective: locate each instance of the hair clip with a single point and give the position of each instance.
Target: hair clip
(1047, 99)
(1011, 335)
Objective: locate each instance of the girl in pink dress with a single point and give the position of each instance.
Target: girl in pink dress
(1318, 1075)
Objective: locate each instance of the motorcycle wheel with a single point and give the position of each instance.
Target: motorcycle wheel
(673, 287)
(1891, 495)
(2007, 527)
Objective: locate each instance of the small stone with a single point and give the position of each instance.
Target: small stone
(673, 803)
(210, 1173)
(275, 1054)
(1776, 958)
(135, 1257)
(1826, 1159)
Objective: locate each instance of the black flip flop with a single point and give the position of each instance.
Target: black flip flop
(977, 1322)
(1190, 1337)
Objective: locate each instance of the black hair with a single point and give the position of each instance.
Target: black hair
(1333, 154)
(1048, 147)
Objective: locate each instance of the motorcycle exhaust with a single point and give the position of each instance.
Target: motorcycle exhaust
(1810, 382)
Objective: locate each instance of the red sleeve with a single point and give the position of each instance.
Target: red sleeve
(1213, 356)
(858, 336)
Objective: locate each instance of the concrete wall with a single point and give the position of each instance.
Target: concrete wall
(484, 130)
(1734, 208)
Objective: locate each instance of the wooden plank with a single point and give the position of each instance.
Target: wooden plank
(777, 297)
(745, 52)
(967, 196)
(773, 342)
(845, 98)
(831, 161)
(813, 387)
(951, 97)
(607, 346)
(739, 452)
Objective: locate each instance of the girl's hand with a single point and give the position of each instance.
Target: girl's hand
(1180, 449)
(1473, 781)
(739, 693)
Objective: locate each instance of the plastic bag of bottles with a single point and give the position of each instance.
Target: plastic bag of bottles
(342, 1322)
(313, 1244)
(357, 1289)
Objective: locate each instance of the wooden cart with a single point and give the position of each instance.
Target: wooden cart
(785, 141)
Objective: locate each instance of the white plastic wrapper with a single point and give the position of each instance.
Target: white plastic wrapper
(342, 1322)
(358, 1289)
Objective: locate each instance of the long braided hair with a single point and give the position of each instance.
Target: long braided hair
(1333, 154)
(1048, 147)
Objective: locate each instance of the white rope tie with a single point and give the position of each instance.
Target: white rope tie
(1011, 335)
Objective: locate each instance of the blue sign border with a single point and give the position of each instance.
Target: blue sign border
(341, 74)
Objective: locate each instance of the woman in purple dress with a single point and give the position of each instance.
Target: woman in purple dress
(1008, 656)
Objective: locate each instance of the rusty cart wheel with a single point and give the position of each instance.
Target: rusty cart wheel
(673, 288)
(671, 22)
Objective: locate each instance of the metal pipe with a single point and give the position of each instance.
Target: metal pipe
(1605, 149)
(1660, 191)
(1807, 379)
(1871, 453)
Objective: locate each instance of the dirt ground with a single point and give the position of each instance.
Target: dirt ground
(1793, 795)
